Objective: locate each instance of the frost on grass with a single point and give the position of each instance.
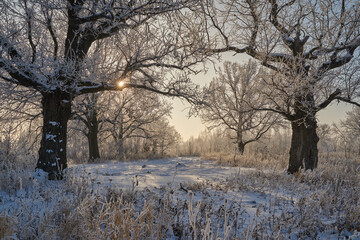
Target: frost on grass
(199, 200)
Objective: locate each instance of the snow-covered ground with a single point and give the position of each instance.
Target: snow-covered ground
(206, 200)
(160, 172)
(180, 176)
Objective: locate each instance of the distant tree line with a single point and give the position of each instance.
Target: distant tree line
(340, 139)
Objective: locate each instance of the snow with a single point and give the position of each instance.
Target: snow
(245, 196)
(288, 39)
(281, 55)
(54, 123)
(178, 175)
(157, 173)
(50, 137)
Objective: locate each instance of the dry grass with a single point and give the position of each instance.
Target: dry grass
(311, 203)
(323, 200)
(15, 175)
(6, 226)
(258, 160)
(73, 210)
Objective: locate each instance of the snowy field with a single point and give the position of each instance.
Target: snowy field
(157, 173)
(179, 198)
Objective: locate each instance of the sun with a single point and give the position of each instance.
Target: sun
(121, 84)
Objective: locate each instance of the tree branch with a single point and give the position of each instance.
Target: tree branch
(172, 92)
(347, 100)
(332, 97)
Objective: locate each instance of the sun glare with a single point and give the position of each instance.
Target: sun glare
(121, 84)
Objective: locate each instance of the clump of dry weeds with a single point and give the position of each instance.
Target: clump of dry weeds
(323, 200)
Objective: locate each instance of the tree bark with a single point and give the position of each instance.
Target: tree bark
(241, 147)
(56, 113)
(239, 139)
(92, 136)
(121, 153)
(303, 150)
(94, 152)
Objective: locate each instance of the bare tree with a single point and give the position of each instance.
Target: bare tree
(351, 127)
(311, 51)
(231, 102)
(90, 113)
(121, 116)
(163, 137)
(129, 115)
(19, 116)
(49, 47)
(324, 132)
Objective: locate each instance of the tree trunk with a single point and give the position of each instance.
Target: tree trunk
(162, 148)
(346, 150)
(121, 149)
(241, 147)
(52, 153)
(94, 152)
(92, 135)
(303, 150)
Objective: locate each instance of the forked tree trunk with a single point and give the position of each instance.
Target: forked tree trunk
(92, 135)
(303, 150)
(52, 153)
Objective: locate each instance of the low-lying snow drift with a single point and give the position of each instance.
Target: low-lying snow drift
(182, 198)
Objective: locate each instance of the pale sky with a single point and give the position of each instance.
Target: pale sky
(192, 126)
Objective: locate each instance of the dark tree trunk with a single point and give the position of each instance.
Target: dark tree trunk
(92, 135)
(241, 147)
(239, 140)
(303, 150)
(94, 152)
(121, 153)
(56, 113)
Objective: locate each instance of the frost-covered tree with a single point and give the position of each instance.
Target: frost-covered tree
(311, 49)
(118, 115)
(232, 98)
(19, 117)
(326, 142)
(89, 111)
(49, 46)
(350, 129)
(352, 121)
(162, 136)
(129, 115)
